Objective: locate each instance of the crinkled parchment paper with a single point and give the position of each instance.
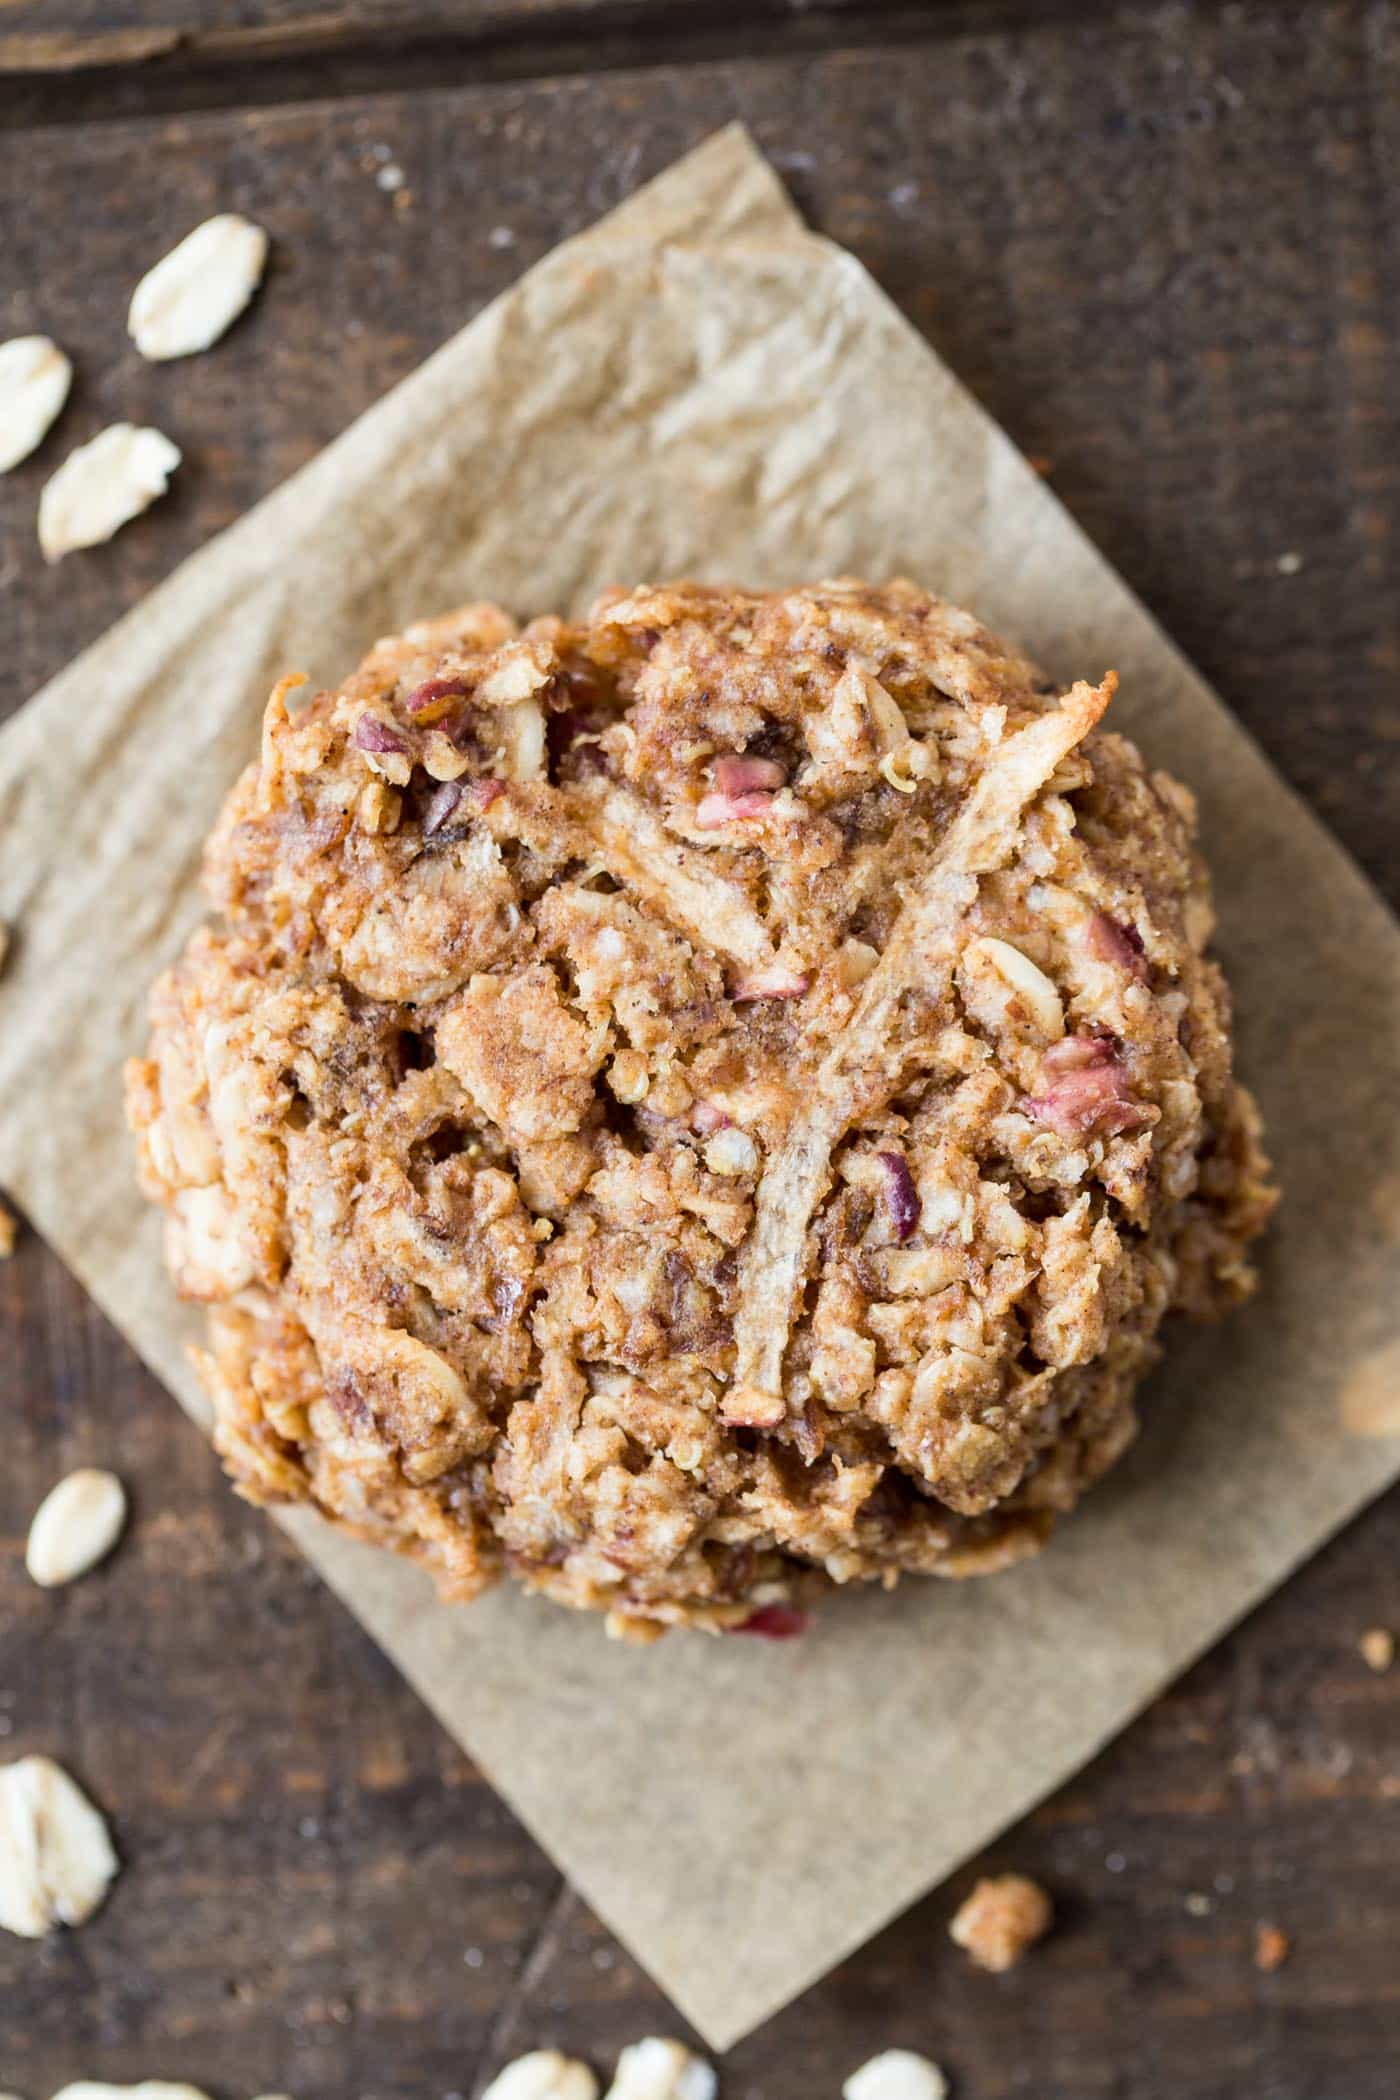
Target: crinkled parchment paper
(700, 386)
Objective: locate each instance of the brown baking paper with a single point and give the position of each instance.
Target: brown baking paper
(700, 386)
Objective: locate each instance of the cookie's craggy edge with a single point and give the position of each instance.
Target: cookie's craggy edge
(696, 1103)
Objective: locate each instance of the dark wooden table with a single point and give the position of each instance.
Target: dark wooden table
(1160, 243)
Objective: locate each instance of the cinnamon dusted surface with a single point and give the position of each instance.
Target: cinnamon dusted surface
(696, 1102)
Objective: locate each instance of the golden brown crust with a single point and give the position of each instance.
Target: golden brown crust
(696, 1102)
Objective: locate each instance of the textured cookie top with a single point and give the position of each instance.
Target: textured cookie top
(722, 1089)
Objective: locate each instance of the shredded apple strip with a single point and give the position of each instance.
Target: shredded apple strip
(922, 951)
(634, 846)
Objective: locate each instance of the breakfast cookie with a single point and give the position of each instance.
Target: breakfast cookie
(697, 1103)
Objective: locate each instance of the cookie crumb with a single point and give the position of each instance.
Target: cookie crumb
(1271, 1948)
(9, 1232)
(1377, 1647)
(1004, 1915)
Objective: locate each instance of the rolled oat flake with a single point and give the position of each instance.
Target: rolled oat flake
(56, 1859)
(658, 2069)
(148, 2089)
(103, 486)
(896, 2074)
(199, 289)
(543, 2074)
(34, 380)
(75, 1526)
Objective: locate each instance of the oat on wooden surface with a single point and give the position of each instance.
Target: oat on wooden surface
(543, 2074)
(896, 2074)
(657, 2069)
(34, 380)
(103, 486)
(194, 294)
(75, 1526)
(56, 1858)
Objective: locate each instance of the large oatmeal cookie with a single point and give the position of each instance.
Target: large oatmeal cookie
(691, 1103)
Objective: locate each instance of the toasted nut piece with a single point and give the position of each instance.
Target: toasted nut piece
(1377, 1646)
(75, 1526)
(543, 2075)
(1271, 1948)
(661, 2070)
(4, 943)
(9, 1232)
(199, 289)
(34, 380)
(896, 2074)
(522, 740)
(56, 1859)
(1005, 1914)
(103, 486)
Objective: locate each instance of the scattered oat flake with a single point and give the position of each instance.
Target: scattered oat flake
(1377, 1646)
(1289, 564)
(103, 486)
(9, 1232)
(897, 2074)
(34, 380)
(654, 2069)
(543, 2075)
(1198, 1904)
(75, 1526)
(199, 289)
(1271, 1948)
(56, 1859)
(1004, 1915)
(391, 177)
(148, 2089)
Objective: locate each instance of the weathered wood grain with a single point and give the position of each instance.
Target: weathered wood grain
(1159, 247)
